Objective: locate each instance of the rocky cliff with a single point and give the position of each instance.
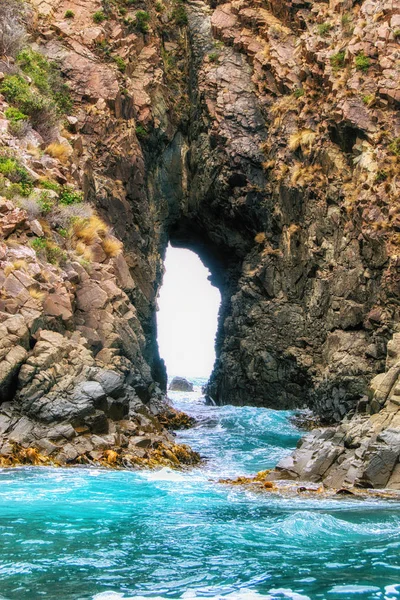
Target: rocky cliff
(263, 136)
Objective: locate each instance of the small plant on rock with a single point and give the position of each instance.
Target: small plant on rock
(179, 15)
(299, 93)
(69, 14)
(381, 176)
(48, 184)
(121, 64)
(260, 238)
(45, 202)
(39, 244)
(141, 132)
(84, 252)
(15, 172)
(368, 99)
(362, 62)
(54, 254)
(142, 21)
(337, 60)
(324, 28)
(70, 196)
(394, 146)
(13, 114)
(98, 17)
(213, 57)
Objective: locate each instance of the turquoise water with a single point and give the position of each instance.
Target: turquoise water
(111, 535)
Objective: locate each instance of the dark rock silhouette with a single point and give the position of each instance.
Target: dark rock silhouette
(180, 384)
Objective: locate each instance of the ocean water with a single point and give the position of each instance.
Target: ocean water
(112, 535)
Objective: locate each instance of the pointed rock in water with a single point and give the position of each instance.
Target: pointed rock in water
(180, 384)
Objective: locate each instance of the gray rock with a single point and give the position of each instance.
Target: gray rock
(111, 382)
(180, 384)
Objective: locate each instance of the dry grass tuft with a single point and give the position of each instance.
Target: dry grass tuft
(90, 229)
(303, 175)
(36, 294)
(268, 164)
(60, 151)
(84, 251)
(293, 228)
(112, 247)
(260, 238)
(284, 105)
(303, 139)
(17, 265)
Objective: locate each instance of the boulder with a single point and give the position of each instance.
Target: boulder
(180, 384)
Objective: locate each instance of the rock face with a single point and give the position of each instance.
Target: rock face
(363, 451)
(266, 139)
(180, 384)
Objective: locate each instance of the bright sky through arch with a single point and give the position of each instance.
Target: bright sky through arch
(187, 316)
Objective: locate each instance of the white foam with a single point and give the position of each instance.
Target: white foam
(244, 594)
(353, 589)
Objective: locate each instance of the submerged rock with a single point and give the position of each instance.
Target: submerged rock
(180, 384)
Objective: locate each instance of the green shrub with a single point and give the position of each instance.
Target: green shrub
(13, 114)
(159, 7)
(337, 60)
(362, 62)
(179, 15)
(70, 196)
(141, 132)
(381, 176)
(39, 243)
(99, 16)
(16, 173)
(396, 33)
(298, 93)
(346, 19)
(18, 128)
(47, 78)
(54, 253)
(43, 110)
(47, 184)
(104, 47)
(213, 57)
(394, 146)
(69, 14)
(16, 189)
(142, 21)
(368, 99)
(121, 64)
(324, 29)
(45, 202)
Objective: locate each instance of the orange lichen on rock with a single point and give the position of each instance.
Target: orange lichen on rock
(176, 419)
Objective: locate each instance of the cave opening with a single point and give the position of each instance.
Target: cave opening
(187, 316)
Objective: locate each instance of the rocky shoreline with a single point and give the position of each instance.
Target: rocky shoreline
(264, 138)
